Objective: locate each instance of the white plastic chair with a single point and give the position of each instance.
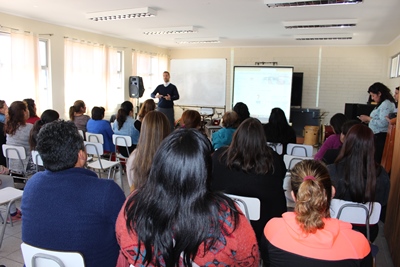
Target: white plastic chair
(250, 206)
(39, 257)
(37, 160)
(95, 138)
(291, 160)
(99, 164)
(8, 196)
(15, 153)
(299, 150)
(356, 213)
(122, 141)
(277, 147)
(81, 134)
(287, 187)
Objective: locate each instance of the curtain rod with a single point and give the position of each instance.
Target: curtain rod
(15, 29)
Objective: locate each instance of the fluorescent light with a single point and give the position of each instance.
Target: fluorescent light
(297, 3)
(205, 40)
(323, 37)
(170, 30)
(122, 14)
(315, 24)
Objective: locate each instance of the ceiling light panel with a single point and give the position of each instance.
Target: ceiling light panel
(205, 40)
(315, 24)
(323, 37)
(171, 30)
(122, 14)
(297, 3)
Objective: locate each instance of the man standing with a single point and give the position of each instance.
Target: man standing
(66, 207)
(166, 94)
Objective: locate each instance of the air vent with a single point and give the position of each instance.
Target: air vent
(317, 24)
(323, 37)
(296, 3)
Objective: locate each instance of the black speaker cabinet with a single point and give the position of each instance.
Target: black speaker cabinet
(136, 88)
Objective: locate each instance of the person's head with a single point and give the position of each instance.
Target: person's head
(248, 150)
(166, 76)
(3, 107)
(98, 113)
(123, 113)
(47, 116)
(312, 191)
(147, 106)
(337, 122)
(154, 129)
(396, 94)
(230, 119)
(242, 110)
(61, 146)
(18, 113)
(31, 106)
(78, 108)
(358, 158)
(379, 93)
(277, 117)
(346, 127)
(191, 119)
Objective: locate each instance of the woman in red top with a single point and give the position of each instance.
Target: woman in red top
(308, 236)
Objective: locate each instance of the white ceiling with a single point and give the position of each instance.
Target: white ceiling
(238, 23)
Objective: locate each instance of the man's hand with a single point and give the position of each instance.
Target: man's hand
(168, 97)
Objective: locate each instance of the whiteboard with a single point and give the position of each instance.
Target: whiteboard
(200, 82)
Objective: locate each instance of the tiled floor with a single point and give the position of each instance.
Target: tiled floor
(11, 256)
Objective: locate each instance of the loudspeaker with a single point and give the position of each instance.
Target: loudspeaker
(136, 88)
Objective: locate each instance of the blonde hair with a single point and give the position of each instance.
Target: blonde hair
(312, 188)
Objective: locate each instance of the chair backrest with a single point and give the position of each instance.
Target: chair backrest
(122, 140)
(82, 134)
(38, 257)
(95, 138)
(95, 149)
(36, 158)
(277, 147)
(291, 160)
(357, 213)
(299, 150)
(287, 187)
(16, 153)
(250, 206)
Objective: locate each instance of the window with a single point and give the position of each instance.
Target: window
(395, 66)
(44, 94)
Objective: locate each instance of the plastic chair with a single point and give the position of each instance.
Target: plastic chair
(122, 141)
(15, 153)
(37, 160)
(82, 134)
(299, 150)
(250, 206)
(287, 187)
(95, 138)
(277, 147)
(8, 196)
(96, 149)
(291, 160)
(39, 257)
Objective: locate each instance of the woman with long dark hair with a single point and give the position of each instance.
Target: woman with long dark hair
(175, 220)
(125, 124)
(356, 175)
(278, 130)
(308, 236)
(155, 128)
(33, 117)
(248, 167)
(380, 94)
(48, 116)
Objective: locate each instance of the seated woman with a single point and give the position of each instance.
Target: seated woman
(242, 110)
(125, 124)
(33, 117)
(3, 111)
(48, 115)
(147, 106)
(190, 119)
(99, 126)
(355, 174)
(308, 236)
(278, 130)
(248, 167)
(17, 132)
(223, 137)
(155, 128)
(175, 220)
(333, 141)
(77, 115)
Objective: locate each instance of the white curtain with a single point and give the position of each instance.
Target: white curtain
(19, 67)
(150, 67)
(85, 74)
(115, 84)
